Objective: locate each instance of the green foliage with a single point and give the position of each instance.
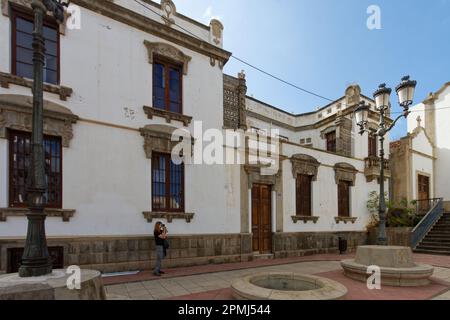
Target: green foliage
(398, 215)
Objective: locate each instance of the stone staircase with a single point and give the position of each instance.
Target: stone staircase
(437, 241)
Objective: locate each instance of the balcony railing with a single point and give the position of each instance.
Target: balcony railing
(372, 168)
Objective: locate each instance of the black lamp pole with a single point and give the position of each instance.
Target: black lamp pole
(405, 92)
(36, 260)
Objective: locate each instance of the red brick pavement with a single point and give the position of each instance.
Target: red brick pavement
(356, 291)
(439, 261)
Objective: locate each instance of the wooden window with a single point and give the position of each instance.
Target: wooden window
(167, 86)
(167, 184)
(331, 141)
(19, 164)
(372, 146)
(304, 193)
(344, 198)
(22, 22)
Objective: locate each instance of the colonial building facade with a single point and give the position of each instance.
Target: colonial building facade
(420, 159)
(115, 91)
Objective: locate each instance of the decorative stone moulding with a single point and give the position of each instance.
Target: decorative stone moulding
(169, 216)
(16, 114)
(27, 4)
(168, 51)
(6, 79)
(304, 164)
(158, 138)
(255, 176)
(345, 219)
(216, 32)
(65, 214)
(168, 115)
(305, 219)
(169, 10)
(234, 102)
(345, 172)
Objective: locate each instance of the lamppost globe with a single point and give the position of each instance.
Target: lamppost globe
(405, 92)
(382, 97)
(362, 114)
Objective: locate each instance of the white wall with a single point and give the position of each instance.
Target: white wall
(106, 175)
(325, 194)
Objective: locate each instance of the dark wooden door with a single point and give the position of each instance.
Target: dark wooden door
(261, 218)
(424, 192)
(344, 199)
(303, 195)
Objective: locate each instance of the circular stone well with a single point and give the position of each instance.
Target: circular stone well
(286, 286)
(396, 265)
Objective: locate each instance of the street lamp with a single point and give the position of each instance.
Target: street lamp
(36, 260)
(405, 93)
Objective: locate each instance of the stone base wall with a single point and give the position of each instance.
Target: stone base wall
(305, 243)
(132, 253)
(396, 236)
(129, 253)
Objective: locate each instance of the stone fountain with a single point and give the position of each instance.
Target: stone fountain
(396, 265)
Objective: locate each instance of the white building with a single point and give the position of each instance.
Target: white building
(421, 158)
(115, 91)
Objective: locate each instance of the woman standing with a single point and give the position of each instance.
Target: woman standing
(160, 234)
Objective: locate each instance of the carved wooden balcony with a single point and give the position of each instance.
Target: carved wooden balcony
(372, 168)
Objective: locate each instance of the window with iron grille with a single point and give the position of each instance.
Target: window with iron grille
(167, 184)
(22, 24)
(19, 164)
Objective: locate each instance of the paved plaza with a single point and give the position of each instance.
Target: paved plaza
(212, 282)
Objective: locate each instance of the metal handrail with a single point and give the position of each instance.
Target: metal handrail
(427, 222)
(429, 203)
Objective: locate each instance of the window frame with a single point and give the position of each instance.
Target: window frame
(48, 21)
(26, 134)
(167, 208)
(347, 199)
(167, 63)
(330, 142)
(372, 142)
(299, 196)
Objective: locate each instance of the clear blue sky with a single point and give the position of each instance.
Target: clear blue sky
(324, 45)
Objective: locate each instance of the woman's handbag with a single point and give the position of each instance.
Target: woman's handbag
(166, 244)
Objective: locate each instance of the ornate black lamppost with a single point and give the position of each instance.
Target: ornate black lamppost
(405, 91)
(35, 260)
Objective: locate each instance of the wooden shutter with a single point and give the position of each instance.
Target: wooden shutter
(303, 196)
(344, 199)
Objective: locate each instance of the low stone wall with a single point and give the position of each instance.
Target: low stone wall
(396, 236)
(305, 243)
(115, 254)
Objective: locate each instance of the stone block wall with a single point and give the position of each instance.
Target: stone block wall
(115, 254)
(305, 243)
(396, 236)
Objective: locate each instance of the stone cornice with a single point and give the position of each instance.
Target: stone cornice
(169, 116)
(169, 216)
(345, 219)
(16, 114)
(330, 120)
(305, 219)
(7, 78)
(138, 21)
(65, 214)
